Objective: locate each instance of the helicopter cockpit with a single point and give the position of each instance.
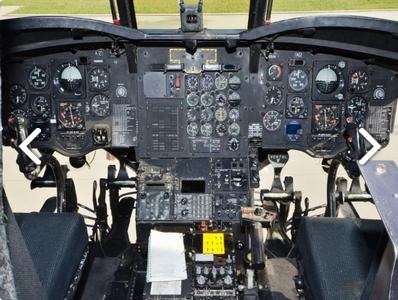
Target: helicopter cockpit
(191, 116)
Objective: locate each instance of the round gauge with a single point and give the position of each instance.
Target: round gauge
(272, 120)
(41, 106)
(221, 129)
(18, 113)
(193, 99)
(69, 78)
(206, 129)
(233, 144)
(359, 81)
(327, 79)
(298, 80)
(221, 82)
(17, 94)
(100, 106)
(234, 114)
(221, 99)
(273, 95)
(379, 93)
(191, 115)
(206, 99)
(38, 78)
(326, 118)
(192, 82)
(234, 129)
(192, 129)
(206, 114)
(99, 79)
(234, 99)
(357, 109)
(296, 106)
(234, 82)
(221, 114)
(207, 82)
(71, 115)
(274, 73)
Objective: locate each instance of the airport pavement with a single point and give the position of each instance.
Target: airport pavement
(307, 171)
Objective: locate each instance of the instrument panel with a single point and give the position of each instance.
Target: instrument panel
(205, 104)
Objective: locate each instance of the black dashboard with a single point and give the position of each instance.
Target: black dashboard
(206, 104)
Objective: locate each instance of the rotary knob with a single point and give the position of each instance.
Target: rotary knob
(228, 280)
(201, 280)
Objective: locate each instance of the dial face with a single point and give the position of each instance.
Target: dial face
(234, 82)
(192, 82)
(38, 78)
(273, 95)
(234, 99)
(17, 94)
(221, 129)
(192, 129)
(206, 129)
(221, 82)
(298, 80)
(221, 100)
(191, 115)
(99, 79)
(296, 106)
(100, 106)
(71, 115)
(193, 99)
(207, 82)
(359, 81)
(221, 114)
(272, 120)
(206, 114)
(206, 99)
(274, 73)
(326, 118)
(234, 129)
(357, 108)
(69, 78)
(234, 114)
(18, 113)
(41, 106)
(327, 79)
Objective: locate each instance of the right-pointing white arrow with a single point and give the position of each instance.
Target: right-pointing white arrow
(26, 142)
(375, 144)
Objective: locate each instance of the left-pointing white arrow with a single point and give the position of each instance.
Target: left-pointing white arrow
(375, 144)
(26, 142)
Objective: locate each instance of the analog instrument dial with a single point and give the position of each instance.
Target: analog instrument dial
(221, 129)
(273, 95)
(206, 129)
(18, 94)
(71, 115)
(234, 129)
(38, 78)
(327, 79)
(41, 106)
(206, 99)
(274, 73)
(359, 81)
(357, 109)
(221, 82)
(192, 129)
(234, 82)
(191, 115)
(221, 114)
(192, 82)
(207, 82)
(69, 78)
(234, 99)
(193, 99)
(272, 120)
(234, 114)
(206, 114)
(100, 106)
(326, 118)
(298, 80)
(221, 99)
(99, 79)
(296, 106)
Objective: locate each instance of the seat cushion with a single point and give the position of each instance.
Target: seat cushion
(337, 255)
(56, 243)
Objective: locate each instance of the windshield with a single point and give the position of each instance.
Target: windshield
(226, 14)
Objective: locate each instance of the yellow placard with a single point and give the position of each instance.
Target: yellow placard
(213, 243)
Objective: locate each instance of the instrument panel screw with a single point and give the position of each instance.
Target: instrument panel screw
(380, 168)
